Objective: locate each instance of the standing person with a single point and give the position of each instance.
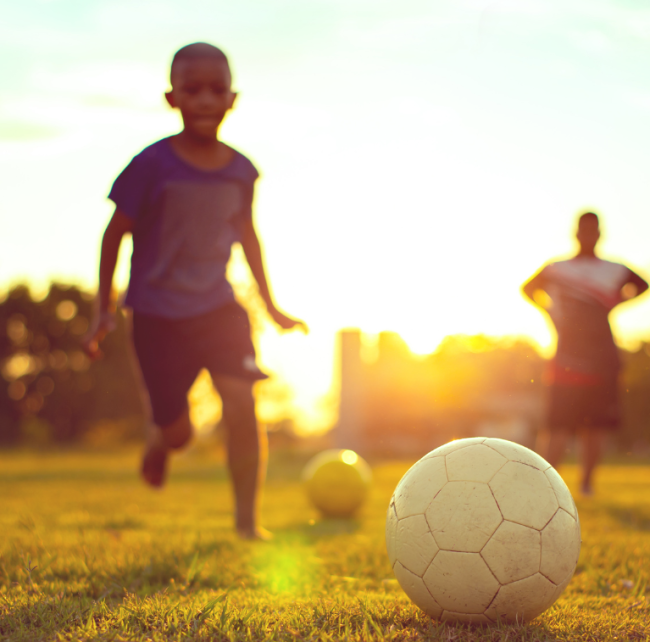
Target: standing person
(583, 376)
(186, 199)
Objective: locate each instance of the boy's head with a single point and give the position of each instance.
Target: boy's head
(588, 232)
(201, 88)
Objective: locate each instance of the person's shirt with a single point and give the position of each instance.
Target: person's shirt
(186, 220)
(583, 291)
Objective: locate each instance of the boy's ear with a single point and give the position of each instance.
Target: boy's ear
(169, 97)
(234, 99)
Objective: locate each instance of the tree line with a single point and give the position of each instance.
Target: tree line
(50, 391)
(48, 387)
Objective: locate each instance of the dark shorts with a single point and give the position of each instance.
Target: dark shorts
(172, 352)
(593, 406)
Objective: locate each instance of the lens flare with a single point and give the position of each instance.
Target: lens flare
(286, 570)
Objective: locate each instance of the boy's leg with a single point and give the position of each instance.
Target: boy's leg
(552, 445)
(167, 374)
(562, 404)
(593, 440)
(160, 440)
(247, 451)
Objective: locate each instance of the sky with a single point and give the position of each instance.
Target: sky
(419, 160)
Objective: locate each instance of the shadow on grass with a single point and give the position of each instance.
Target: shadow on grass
(636, 518)
(69, 618)
(210, 565)
(42, 617)
(320, 529)
(422, 627)
(123, 523)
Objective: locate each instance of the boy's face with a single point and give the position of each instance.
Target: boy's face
(588, 234)
(201, 91)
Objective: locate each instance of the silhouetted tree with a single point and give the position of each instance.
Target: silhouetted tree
(45, 373)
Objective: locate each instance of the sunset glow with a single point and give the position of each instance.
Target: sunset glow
(418, 163)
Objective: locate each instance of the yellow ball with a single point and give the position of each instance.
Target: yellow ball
(337, 482)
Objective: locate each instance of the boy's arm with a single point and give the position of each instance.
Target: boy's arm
(633, 287)
(253, 251)
(536, 282)
(104, 321)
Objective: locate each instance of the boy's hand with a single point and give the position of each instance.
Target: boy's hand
(285, 322)
(103, 323)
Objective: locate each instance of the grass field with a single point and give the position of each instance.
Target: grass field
(88, 553)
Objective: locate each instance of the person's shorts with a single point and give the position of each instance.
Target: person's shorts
(590, 406)
(172, 352)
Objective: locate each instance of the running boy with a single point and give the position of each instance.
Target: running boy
(583, 381)
(186, 199)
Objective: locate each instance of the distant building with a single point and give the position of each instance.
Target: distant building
(399, 404)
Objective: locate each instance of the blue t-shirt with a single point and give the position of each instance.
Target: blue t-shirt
(185, 222)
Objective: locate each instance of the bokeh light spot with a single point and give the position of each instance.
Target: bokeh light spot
(66, 310)
(58, 359)
(79, 361)
(16, 390)
(18, 365)
(16, 329)
(79, 325)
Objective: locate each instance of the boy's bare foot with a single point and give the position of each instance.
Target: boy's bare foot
(587, 490)
(255, 534)
(154, 465)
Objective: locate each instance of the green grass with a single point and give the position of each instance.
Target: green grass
(88, 553)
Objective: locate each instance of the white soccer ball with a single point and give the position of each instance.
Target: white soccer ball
(481, 529)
